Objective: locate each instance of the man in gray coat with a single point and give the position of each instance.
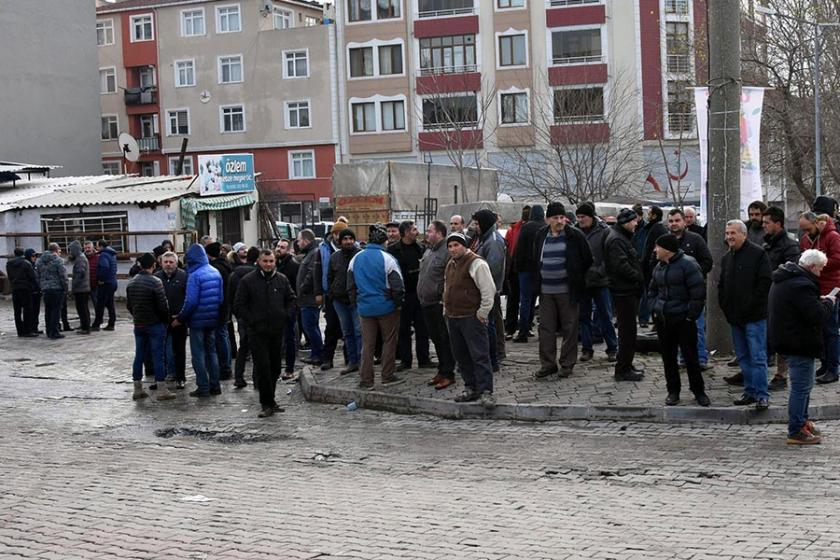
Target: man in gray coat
(52, 277)
(491, 247)
(80, 286)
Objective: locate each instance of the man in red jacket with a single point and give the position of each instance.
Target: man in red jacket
(826, 240)
(512, 308)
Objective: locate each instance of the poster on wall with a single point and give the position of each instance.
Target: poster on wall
(226, 174)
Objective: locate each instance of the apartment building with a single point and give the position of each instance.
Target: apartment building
(254, 76)
(432, 80)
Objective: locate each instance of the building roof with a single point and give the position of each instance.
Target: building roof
(10, 169)
(125, 5)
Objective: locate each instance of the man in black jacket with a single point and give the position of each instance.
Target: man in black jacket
(24, 285)
(678, 294)
(626, 282)
(653, 229)
(223, 341)
(146, 301)
(246, 267)
(288, 266)
(174, 281)
(348, 316)
(742, 294)
(526, 263)
(264, 299)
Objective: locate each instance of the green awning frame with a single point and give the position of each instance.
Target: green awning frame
(193, 205)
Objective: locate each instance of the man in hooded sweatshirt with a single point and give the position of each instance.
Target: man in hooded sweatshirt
(24, 283)
(527, 263)
(491, 248)
(52, 277)
(81, 285)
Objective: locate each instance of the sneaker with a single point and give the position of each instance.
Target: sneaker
(520, 339)
(80, 331)
(611, 356)
(467, 395)
(703, 399)
(745, 399)
(762, 404)
(545, 372)
(586, 355)
(216, 391)
(566, 371)
(736, 380)
(266, 412)
(278, 408)
(239, 384)
(812, 428)
(803, 437)
(199, 394)
(393, 381)
(777, 384)
(94, 328)
(628, 376)
(311, 361)
(351, 368)
(487, 400)
(673, 399)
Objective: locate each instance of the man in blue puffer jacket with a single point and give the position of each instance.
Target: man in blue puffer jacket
(202, 313)
(106, 286)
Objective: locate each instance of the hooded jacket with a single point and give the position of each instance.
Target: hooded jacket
(432, 268)
(203, 302)
(491, 247)
(375, 282)
(828, 241)
(106, 267)
(743, 284)
(677, 289)
(337, 274)
(796, 313)
(526, 258)
(781, 248)
(21, 275)
(81, 269)
(623, 268)
(264, 301)
(51, 272)
(596, 276)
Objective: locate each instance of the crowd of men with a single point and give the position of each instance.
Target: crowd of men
(392, 296)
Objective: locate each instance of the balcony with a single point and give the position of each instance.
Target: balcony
(594, 59)
(149, 143)
(448, 79)
(141, 96)
(567, 3)
(446, 70)
(679, 63)
(466, 11)
(578, 119)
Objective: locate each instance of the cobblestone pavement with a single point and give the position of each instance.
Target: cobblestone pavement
(88, 473)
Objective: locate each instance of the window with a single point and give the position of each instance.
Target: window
(179, 122)
(578, 105)
(302, 165)
(680, 116)
(358, 10)
(105, 32)
(458, 111)
(515, 108)
(230, 69)
(227, 19)
(184, 73)
(444, 55)
(508, 4)
(678, 47)
(65, 228)
(283, 19)
(233, 118)
(192, 23)
(297, 114)
(433, 8)
(110, 127)
(393, 115)
(187, 168)
(141, 28)
(676, 7)
(310, 21)
(576, 46)
(108, 80)
(361, 10)
(387, 9)
(513, 50)
(364, 117)
(361, 62)
(297, 64)
(390, 60)
(111, 167)
(146, 77)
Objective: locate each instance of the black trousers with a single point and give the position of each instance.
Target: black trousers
(266, 349)
(625, 308)
(332, 331)
(52, 305)
(512, 306)
(105, 300)
(83, 310)
(436, 325)
(36, 310)
(65, 323)
(22, 301)
(242, 354)
(178, 336)
(682, 335)
(412, 316)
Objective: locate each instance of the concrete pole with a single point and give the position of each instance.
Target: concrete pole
(724, 189)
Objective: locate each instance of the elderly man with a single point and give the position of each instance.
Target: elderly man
(742, 294)
(457, 225)
(52, 277)
(691, 222)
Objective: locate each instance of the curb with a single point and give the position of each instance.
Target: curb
(402, 404)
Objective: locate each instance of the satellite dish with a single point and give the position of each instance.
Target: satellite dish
(504, 197)
(129, 147)
(204, 97)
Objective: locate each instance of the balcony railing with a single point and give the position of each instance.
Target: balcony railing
(442, 70)
(594, 59)
(149, 143)
(140, 96)
(676, 7)
(563, 3)
(449, 125)
(679, 63)
(680, 122)
(441, 13)
(578, 119)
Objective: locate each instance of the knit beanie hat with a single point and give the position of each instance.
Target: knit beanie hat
(377, 234)
(555, 209)
(346, 232)
(669, 242)
(238, 246)
(626, 215)
(339, 226)
(214, 249)
(459, 237)
(29, 253)
(824, 205)
(585, 209)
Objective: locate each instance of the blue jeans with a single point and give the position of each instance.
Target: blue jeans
(149, 339)
(205, 361)
(750, 342)
(351, 327)
(702, 354)
(310, 317)
(831, 343)
(600, 297)
(223, 347)
(801, 375)
(526, 301)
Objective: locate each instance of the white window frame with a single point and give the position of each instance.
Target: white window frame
(311, 21)
(241, 69)
(169, 121)
(219, 18)
(222, 119)
(289, 14)
(373, 15)
(496, 7)
(106, 25)
(286, 75)
(550, 46)
(116, 119)
(184, 22)
(113, 70)
(375, 44)
(379, 124)
(377, 101)
(292, 153)
(111, 164)
(173, 163)
(153, 72)
(352, 114)
(510, 32)
(287, 110)
(178, 83)
(515, 90)
(132, 19)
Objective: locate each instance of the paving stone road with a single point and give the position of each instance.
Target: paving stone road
(87, 473)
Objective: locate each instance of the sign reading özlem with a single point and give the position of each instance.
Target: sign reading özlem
(226, 173)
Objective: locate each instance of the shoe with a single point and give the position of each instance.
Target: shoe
(393, 381)
(827, 378)
(508, 336)
(820, 371)
(545, 372)
(487, 400)
(812, 428)
(566, 371)
(496, 369)
(706, 367)
(109, 328)
(762, 404)
(673, 399)
(444, 383)
(643, 325)
(350, 368)
(56, 337)
(803, 437)
(402, 367)
(736, 380)
(239, 384)
(586, 355)
(180, 384)
(199, 394)
(305, 346)
(326, 366)
(266, 412)
(311, 361)
(611, 356)
(32, 335)
(435, 380)
(288, 376)
(225, 375)
(216, 391)
(520, 339)
(732, 363)
(628, 376)
(639, 370)
(467, 396)
(139, 393)
(428, 365)
(703, 399)
(94, 328)
(153, 386)
(777, 384)
(67, 327)
(85, 331)
(163, 393)
(744, 400)
(364, 386)
(278, 408)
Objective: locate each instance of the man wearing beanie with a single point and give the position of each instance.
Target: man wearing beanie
(332, 330)
(526, 261)
(564, 258)
(348, 316)
(491, 247)
(678, 294)
(223, 341)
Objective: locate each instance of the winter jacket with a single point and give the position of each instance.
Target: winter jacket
(623, 268)
(511, 238)
(51, 272)
(640, 238)
(264, 301)
(526, 258)
(755, 232)
(796, 313)
(654, 230)
(701, 231)
(578, 260)
(309, 277)
(106, 268)
(21, 275)
(432, 268)
(81, 270)
(175, 287)
(828, 241)
(744, 284)
(146, 300)
(325, 250)
(695, 247)
(203, 302)
(93, 264)
(225, 269)
(239, 272)
(491, 248)
(337, 274)
(408, 257)
(596, 276)
(288, 267)
(677, 289)
(781, 248)
(375, 282)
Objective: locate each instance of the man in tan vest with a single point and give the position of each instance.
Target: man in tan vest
(468, 295)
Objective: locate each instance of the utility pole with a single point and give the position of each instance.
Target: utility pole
(724, 188)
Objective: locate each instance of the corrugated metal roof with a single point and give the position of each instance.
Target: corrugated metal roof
(16, 167)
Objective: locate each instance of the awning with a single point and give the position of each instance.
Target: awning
(192, 206)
